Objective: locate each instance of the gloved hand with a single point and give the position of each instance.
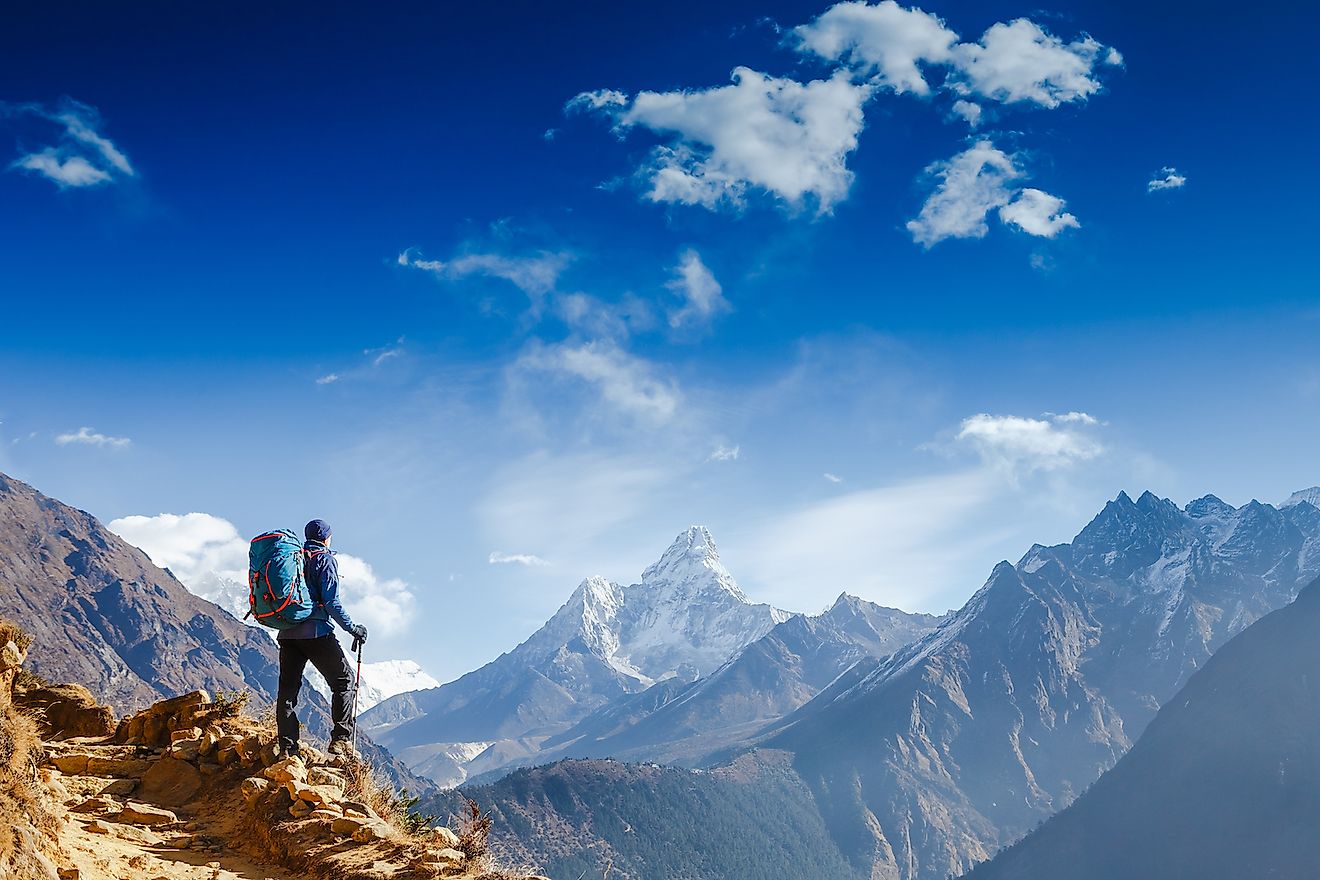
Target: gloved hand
(359, 633)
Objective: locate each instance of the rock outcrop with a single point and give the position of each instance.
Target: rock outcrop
(190, 787)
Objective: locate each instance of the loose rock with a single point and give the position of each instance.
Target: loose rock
(145, 814)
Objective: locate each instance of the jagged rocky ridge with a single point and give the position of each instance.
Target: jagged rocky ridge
(926, 762)
(104, 616)
(1223, 783)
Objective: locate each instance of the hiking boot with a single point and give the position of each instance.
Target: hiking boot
(342, 748)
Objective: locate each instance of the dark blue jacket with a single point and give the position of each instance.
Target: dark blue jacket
(321, 572)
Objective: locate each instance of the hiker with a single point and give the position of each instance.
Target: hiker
(313, 639)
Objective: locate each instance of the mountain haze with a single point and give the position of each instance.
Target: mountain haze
(928, 761)
(1224, 783)
(684, 618)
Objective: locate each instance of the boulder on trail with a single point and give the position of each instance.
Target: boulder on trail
(170, 781)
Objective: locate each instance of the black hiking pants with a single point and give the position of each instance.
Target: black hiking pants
(326, 655)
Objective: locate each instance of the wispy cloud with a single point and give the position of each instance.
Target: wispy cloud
(833, 478)
(327, 379)
(703, 297)
(725, 453)
(535, 275)
(82, 157)
(90, 437)
(377, 356)
(1168, 178)
(526, 559)
(626, 383)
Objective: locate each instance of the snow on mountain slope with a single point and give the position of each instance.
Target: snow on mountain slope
(682, 620)
(380, 681)
(1310, 496)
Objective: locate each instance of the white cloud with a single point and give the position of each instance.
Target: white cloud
(1023, 445)
(534, 275)
(80, 124)
(1038, 213)
(328, 379)
(832, 477)
(379, 355)
(972, 184)
(82, 158)
(600, 99)
(72, 171)
(725, 453)
(626, 383)
(204, 552)
(527, 559)
(968, 111)
(703, 298)
(1170, 179)
(976, 182)
(89, 437)
(209, 557)
(595, 317)
(1020, 61)
(885, 39)
(787, 138)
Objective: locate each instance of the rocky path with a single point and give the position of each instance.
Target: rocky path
(182, 791)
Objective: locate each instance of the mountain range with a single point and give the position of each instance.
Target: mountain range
(924, 762)
(670, 669)
(889, 746)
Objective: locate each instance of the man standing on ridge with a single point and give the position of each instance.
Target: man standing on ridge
(314, 640)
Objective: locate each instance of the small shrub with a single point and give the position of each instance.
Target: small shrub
(474, 833)
(229, 704)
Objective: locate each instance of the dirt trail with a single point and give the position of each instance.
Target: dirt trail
(130, 852)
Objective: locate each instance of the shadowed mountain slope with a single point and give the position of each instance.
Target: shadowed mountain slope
(1224, 783)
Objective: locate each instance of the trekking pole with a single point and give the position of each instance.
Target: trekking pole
(357, 646)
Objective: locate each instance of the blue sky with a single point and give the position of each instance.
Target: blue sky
(548, 283)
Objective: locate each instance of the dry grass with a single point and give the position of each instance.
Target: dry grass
(367, 786)
(12, 632)
(27, 825)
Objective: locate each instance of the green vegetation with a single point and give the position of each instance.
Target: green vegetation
(599, 819)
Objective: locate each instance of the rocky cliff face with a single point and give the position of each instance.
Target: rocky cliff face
(928, 761)
(1225, 782)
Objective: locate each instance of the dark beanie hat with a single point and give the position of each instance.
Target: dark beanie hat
(317, 530)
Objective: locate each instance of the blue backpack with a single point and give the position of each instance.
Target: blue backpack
(277, 591)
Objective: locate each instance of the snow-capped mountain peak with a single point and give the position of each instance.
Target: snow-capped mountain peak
(692, 558)
(1310, 496)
